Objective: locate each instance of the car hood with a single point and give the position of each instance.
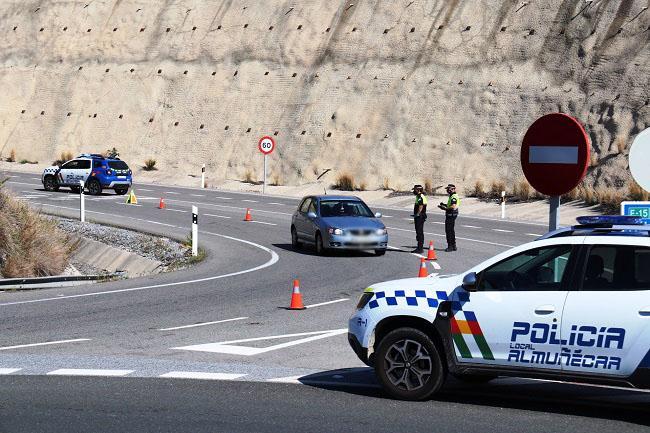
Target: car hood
(433, 283)
(353, 222)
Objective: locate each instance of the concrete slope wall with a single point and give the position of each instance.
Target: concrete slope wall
(392, 91)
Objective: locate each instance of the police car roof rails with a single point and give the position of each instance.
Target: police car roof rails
(91, 155)
(604, 224)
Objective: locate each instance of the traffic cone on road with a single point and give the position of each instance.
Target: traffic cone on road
(131, 198)
(296, 297)
(248, 216)
(431, 254)
(162, 204)
(423, 269)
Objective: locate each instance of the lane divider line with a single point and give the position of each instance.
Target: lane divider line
(202, 324)
(470, 227)
(327, 303)
(197, 195)
(223, 198)
(47, 343)
(533, 234)
(88, 372)
(262, 222)
(502, 230)
(464, 239)
(9, 370)
(216, 216)
(201, 375)
(172, 192)
(178, 210)
(249, 201)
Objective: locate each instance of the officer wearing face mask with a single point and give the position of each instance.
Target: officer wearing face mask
(451, 213)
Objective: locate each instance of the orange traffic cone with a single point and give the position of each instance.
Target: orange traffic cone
(162, 204)
(296, 297)
(248, 216)
(431, 254)
(423, 269)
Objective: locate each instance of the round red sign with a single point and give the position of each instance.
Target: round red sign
(555, 154)
(266, 145)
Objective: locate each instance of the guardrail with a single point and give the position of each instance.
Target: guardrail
(55, 281)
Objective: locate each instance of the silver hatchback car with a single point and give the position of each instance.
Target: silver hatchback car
(338, 222)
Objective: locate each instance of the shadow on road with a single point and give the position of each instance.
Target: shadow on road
(308, 250)
(540, 396)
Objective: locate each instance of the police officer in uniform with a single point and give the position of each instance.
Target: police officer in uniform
(419, 216)
(451, 213)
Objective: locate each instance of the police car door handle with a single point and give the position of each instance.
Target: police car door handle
(644, 312)
(545, 310)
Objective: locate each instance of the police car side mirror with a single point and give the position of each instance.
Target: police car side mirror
(311, 215)
(378, 215)
(469, 282)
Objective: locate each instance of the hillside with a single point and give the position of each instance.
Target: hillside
(394, 92)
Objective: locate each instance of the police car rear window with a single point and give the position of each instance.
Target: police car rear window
(118, 165)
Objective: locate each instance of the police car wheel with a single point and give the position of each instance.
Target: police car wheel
(50, 184)
(295, 243)
(94, 188)
(408, 365)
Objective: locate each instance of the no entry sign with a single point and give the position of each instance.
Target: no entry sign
(555, 154)
(266, 145)
(640, 159)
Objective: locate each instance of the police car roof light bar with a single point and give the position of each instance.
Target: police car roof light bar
(611, 220)
(621, 225)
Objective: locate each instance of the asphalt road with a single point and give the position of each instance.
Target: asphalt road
(223, 323)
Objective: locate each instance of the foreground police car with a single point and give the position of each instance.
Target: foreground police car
(572, 305)
(97, 172)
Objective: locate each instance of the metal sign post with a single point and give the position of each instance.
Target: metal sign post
(554, 213)
(195, 231)
(82, 203)
(266, 145)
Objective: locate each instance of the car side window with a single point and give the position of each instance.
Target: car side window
(71, 165)
(312, 207)
(83, 164)
(617, 268)
(305, 205)
(539, 269)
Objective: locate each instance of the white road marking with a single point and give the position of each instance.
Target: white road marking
(201, 375)
(249, 201)
(471, 227)
(9, 370)
(289, 379)
(224, 198)
(47, 343)
(405, 251)
(435, 265)
(438, 222)
(215, 216)
(229, 347)
(178, 210)
(35, 178)
(387, 216)
(160, 224)
(274, 259)
(276, 204)
(327, 303)
(143, 189)
(262, 222)
(533, 234)
(202, 324)
(130, 204)
(197, 195)
(464, 239)
(172, 192)
(502, 230)
(88, 372)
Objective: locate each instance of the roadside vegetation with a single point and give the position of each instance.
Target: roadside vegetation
(150, 165)
(12, 156)
(30, 244)
(64, 157)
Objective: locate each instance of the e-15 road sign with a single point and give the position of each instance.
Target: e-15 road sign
(636, 208)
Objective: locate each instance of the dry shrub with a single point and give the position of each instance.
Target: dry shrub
(478, 191)
(572, 195)
(385, 184)
(496, 187)
(428, 188)
(150, 164)
(344, 182)
(363, 186)
(30, 245)
(248, 177)
(621, 144)
(63, 158)
(636, 193)
(276, 179)
(12, 156)
(593, 162)
(522, 190)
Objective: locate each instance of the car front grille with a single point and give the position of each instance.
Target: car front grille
(361, 232)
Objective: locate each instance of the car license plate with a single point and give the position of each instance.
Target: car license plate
(121, 177)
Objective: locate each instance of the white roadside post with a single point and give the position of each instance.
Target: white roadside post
(503, 204)
(82, 203)
(203, 176)
(266, 145)
(195, 231)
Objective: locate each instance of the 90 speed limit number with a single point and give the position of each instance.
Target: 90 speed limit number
(266, 145)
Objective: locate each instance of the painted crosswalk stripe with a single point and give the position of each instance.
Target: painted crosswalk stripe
(201, 375)
(9, 370)
(88, 372)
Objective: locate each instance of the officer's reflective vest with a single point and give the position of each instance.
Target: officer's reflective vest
(450, 200)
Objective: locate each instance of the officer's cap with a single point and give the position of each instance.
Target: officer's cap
(416, 187)
(451, 185)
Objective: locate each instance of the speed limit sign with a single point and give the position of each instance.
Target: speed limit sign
(266, 145)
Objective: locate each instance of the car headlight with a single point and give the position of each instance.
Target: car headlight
(381, 232)
(365, 298)
(334, 231)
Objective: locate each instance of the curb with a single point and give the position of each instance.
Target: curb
(55, 281)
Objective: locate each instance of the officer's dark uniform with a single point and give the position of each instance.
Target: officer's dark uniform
(450, 217)
(419, 216)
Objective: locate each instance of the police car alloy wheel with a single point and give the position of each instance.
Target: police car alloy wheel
(408, 364)
(94, 188)
(50, 184)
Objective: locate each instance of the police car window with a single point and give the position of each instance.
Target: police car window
(617, 268)
(83, 164)
(540, 269)
(305, 205)
(71, 165)
(118, 165)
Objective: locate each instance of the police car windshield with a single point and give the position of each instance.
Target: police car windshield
(344, 208)
(118, 165)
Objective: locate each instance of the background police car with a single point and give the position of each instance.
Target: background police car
(95, 170)
(574, 304)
